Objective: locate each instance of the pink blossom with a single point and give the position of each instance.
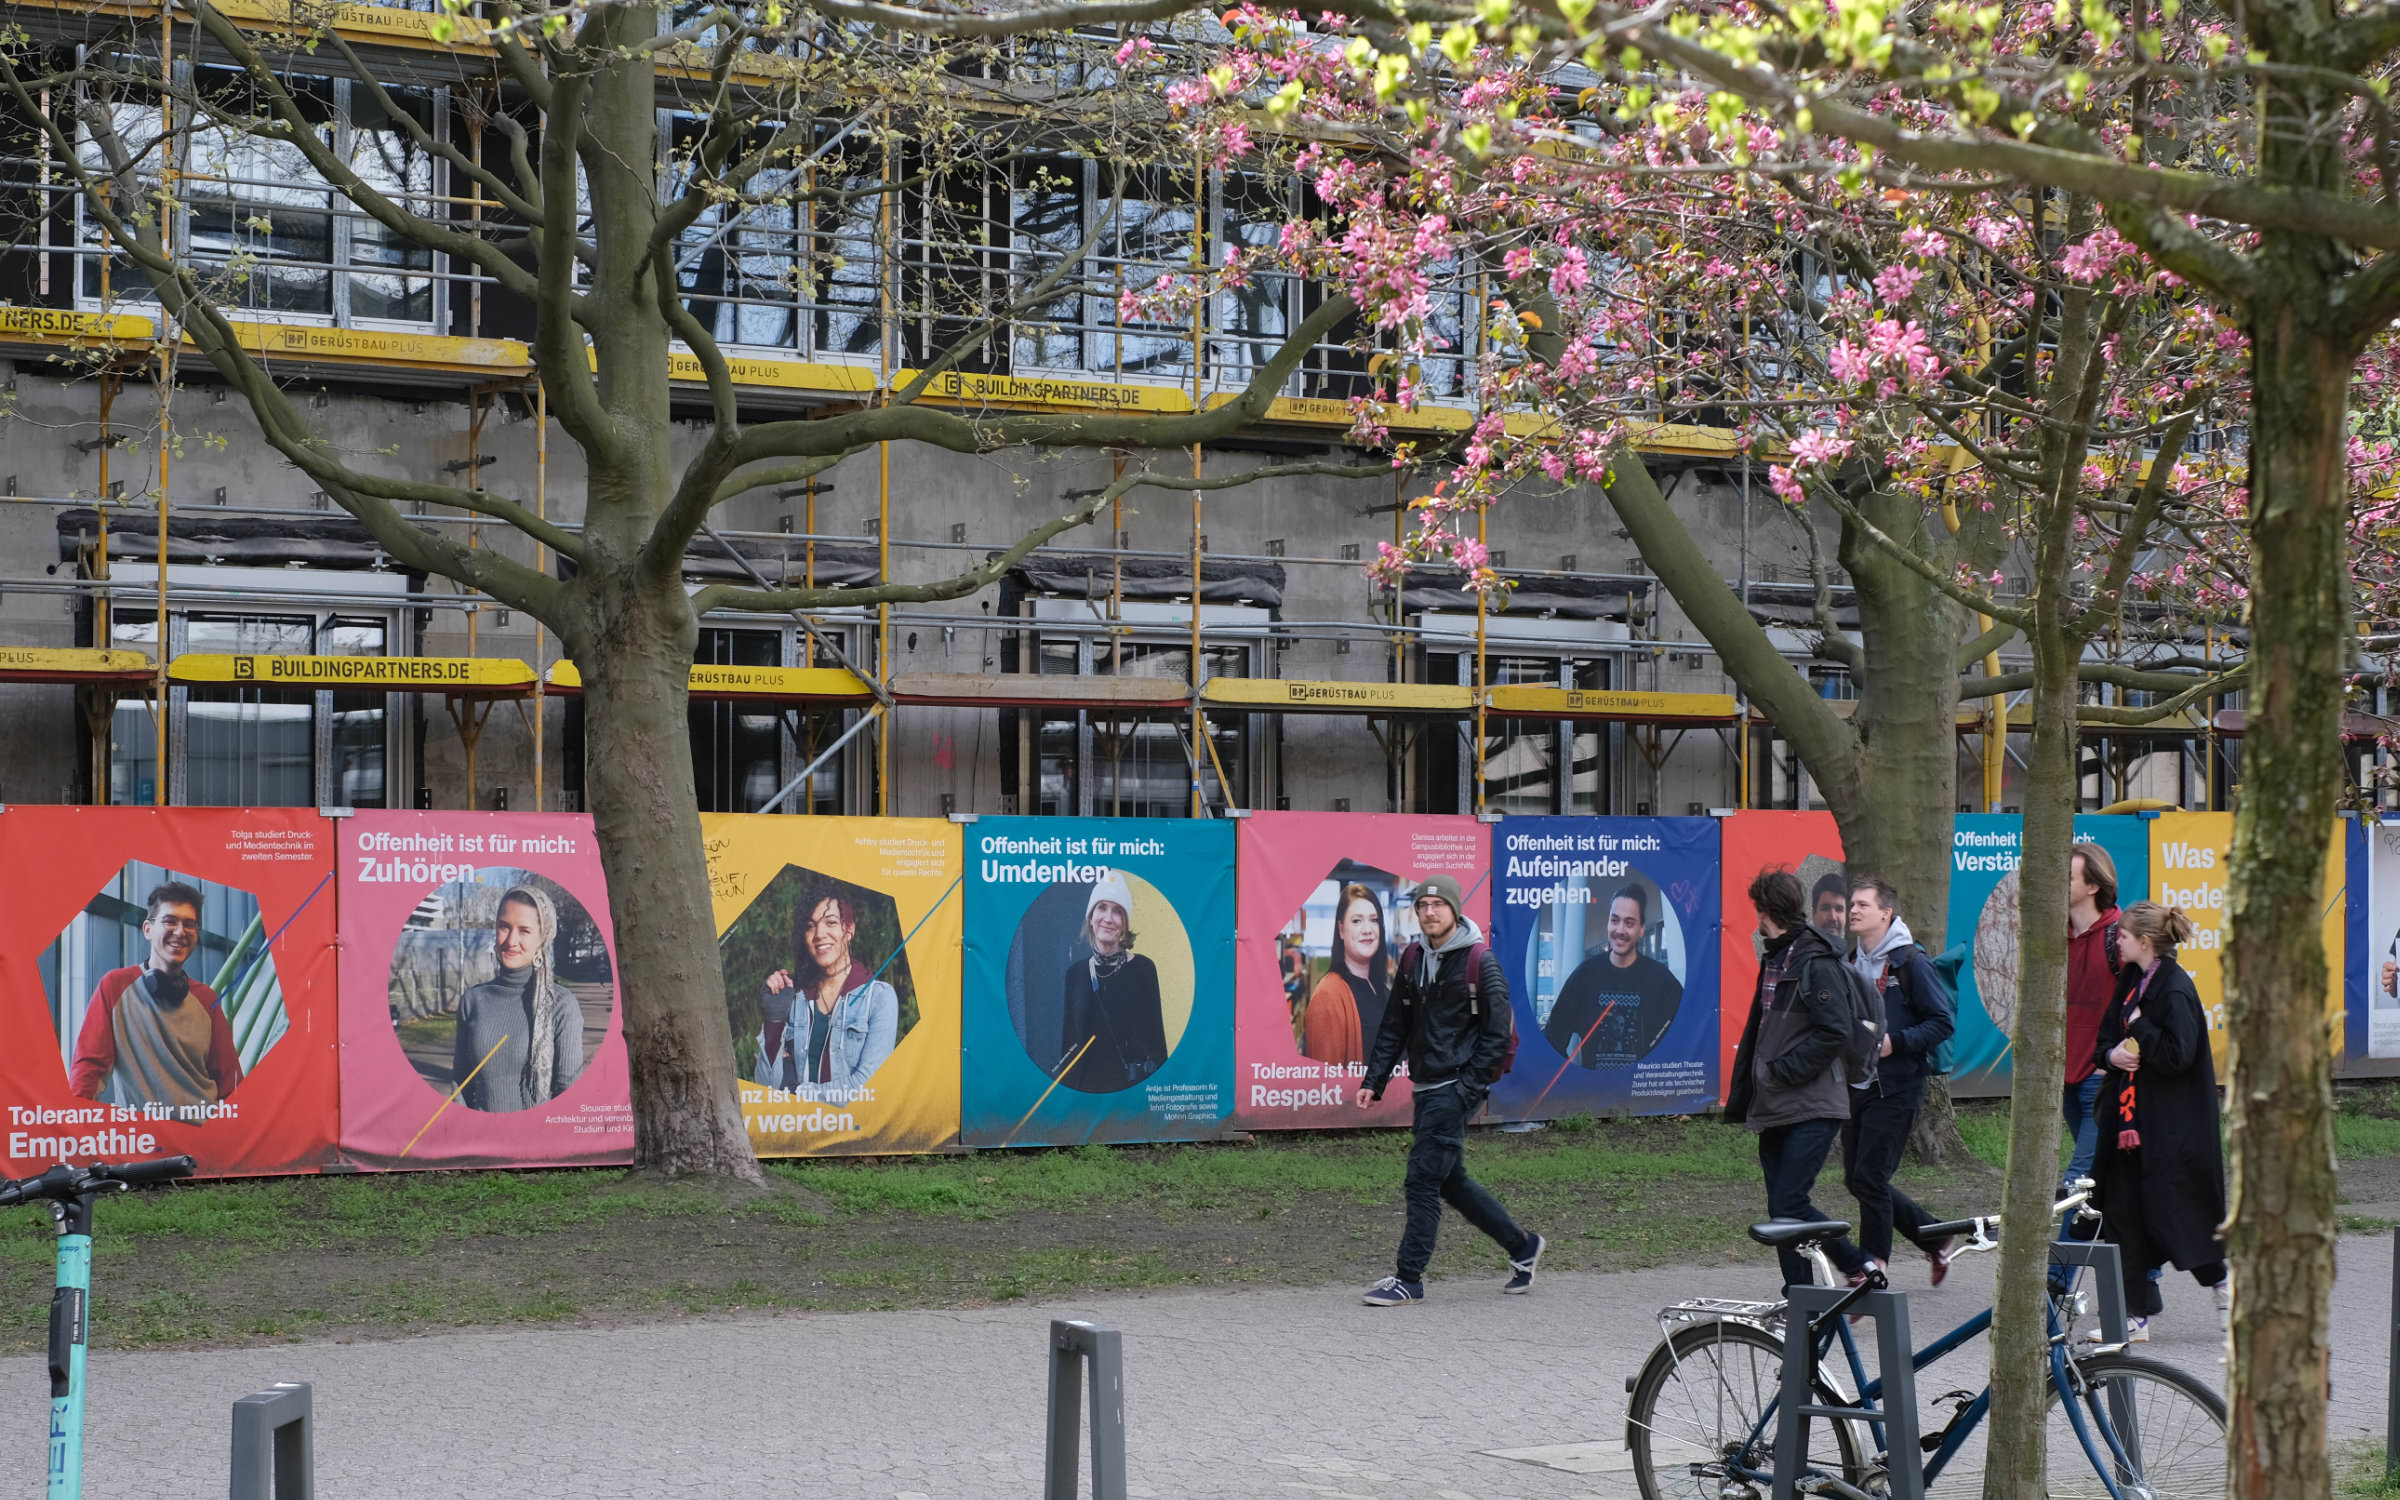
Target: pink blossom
(1816, 448)
(1849, 363)
(1897, 282)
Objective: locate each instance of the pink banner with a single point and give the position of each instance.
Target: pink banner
(479, 1016)
(1324, 917)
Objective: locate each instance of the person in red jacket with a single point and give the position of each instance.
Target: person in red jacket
(154, 1036)
(2092, 964)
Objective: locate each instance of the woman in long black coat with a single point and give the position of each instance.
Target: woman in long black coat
(2160, 1170)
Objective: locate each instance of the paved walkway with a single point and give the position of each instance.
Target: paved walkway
(1240, 1394)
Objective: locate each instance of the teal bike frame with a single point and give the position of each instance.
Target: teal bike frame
(71, 1192)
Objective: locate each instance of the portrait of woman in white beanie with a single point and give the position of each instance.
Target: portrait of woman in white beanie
(1115, 1033)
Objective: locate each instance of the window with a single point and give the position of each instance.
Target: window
(1099, 762)
(256, 747)
(740, 262)
(1046, 219)
(1154, 233)
(737, 748)
(1254, 319)
(267, 229)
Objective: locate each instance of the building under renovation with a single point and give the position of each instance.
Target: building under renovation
(184, 619)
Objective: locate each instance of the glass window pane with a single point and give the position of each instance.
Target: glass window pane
(1046, 218)
(246, 748)
(1152, 236)
(737, 750)
(389, 159)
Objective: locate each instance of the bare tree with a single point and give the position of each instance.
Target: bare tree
(592, 212)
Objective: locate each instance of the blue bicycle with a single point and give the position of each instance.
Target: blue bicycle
(1701, 1423)
(71, 1192)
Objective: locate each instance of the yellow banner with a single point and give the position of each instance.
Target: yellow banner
(840, 940)
(58, 323)
(403, 674)
(377, 346)
(1063, 390)
(792, 684)
(70, 664)
(2190, 859)
(1338, 697)
(1594, 704)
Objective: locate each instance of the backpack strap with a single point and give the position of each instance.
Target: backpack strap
(1475, 952)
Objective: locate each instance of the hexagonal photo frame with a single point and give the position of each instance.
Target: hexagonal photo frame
(803, 926)
(163, 993)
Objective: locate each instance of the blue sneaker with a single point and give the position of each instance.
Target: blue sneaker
(1393, 1292)
(1520, 1272)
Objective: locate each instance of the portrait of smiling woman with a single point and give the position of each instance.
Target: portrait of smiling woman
(827, 1020)
(1115, 1032)
(520, 1033)
(1347, 1004)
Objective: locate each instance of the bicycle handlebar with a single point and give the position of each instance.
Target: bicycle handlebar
(63, 1183)
(1987, 1226)
(142, 1173)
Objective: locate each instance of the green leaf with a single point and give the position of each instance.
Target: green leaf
(1476, 137)
(1458, 44)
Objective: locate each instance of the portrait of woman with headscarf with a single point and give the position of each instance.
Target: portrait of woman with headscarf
(1115, 1033)
(1347, 1005)
(520, 1033)
(825, 1020)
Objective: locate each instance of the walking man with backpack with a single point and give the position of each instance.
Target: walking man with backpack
(1918, 1018)
(1792, 1071)
(1450, 1011)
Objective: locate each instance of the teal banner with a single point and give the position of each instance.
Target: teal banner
(1099, 981)
(1986, 850)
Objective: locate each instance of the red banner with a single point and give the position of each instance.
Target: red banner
(166, 987)
(1810, 846)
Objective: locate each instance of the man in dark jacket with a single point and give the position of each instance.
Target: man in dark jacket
(1917, 1018)
(1789, 1085)
(1455, 1024)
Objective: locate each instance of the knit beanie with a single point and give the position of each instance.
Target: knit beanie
(1447, 888)
(1111, 886)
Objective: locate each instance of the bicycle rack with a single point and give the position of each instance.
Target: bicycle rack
(1895, 1357)
(1895, 1361)
(1071, 1346)
(274, 1442)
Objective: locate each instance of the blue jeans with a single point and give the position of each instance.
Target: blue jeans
(2081, 1125)
(1790, 1156)
(1437, 1172)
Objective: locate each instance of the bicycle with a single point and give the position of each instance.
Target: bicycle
(1701, 1422)
(71, 1192)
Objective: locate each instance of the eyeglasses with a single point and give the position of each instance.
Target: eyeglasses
(176, 924)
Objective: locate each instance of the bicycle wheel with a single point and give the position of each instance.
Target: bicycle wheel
(2177, 1445)
(1697, 1410)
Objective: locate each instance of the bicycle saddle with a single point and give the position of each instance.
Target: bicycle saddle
(1782, 1232)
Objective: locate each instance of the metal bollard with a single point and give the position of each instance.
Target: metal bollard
(274, 1445)
(1071, 1344)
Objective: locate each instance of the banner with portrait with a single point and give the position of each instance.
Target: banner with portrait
(1607, 930)
(2191, 860)
(1808, 844)
(1325, 916)
(840, 940)
(480, 1020)
(1986, 853)
(166, 987)
(1099, 980)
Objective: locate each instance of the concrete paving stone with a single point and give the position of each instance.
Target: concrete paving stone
(1230, 1395)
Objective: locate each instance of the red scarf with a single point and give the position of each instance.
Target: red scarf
(2128, 1137)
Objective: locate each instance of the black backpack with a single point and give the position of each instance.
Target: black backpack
(1413, 957)
(1863, 1031)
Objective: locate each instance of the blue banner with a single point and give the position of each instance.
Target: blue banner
(1607, 929)
(1099, 980)
(1985, 852)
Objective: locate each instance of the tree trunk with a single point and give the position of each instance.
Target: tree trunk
(2282, 1193)
(638, 777)
(2014, 1465)
(1908, 752)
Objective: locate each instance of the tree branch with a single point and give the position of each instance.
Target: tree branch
(1980, 603)
(1985, 644)
(2211, 687)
